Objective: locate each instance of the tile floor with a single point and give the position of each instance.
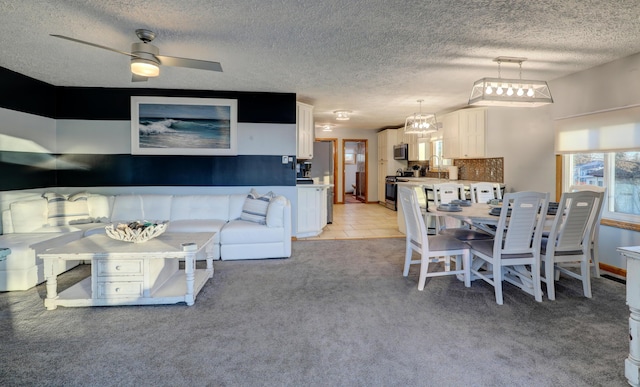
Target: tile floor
(360, 221)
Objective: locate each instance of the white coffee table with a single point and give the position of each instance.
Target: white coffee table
(124, 273)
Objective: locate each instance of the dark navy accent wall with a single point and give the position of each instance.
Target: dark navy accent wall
(127, 170)
(29, 95)
(90, 103)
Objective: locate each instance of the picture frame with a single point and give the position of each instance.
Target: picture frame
(349, 158)
(184, 126)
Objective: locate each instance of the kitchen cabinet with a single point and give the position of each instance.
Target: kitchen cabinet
(450, 136)
(472, 131)
(386, 164)
(305, 131)
(312, 210)
(464, 134)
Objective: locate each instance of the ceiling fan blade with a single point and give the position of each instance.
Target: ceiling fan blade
(138, 78)
(94, 45)
(190, 63)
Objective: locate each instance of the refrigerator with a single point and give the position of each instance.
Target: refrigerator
(322, 170)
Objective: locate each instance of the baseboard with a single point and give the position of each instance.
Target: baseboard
(613, 270)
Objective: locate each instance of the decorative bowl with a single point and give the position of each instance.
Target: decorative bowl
(136, 231)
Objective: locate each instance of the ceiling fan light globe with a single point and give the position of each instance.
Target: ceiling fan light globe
(144, 68)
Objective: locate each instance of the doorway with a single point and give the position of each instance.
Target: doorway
(354, 173)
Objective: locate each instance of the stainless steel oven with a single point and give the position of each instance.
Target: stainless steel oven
(391, 191)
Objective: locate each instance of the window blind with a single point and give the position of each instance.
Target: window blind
(606, 131)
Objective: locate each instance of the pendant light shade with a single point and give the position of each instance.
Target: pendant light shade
(510, 92)
(420, 123)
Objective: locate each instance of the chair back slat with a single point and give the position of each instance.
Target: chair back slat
(444, 193)
(525, 223)
(415, 227)
(483, 192)
(574, 220)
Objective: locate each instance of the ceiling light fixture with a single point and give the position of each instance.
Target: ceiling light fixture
(145, 67)
(327, 128)
(510, 92)
(419, 123)
(342, 115)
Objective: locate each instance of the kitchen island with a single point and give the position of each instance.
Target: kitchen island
(424, 185)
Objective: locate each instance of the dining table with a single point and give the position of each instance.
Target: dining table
(477, 215)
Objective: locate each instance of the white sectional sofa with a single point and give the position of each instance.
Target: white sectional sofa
(243, 229)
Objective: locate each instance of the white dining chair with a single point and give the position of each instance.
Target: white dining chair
(595, 231)
(569, 240)
(483, 192)
(514, 254)
(445, 193)
(432, 248)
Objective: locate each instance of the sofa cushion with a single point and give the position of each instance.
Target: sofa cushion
(63, 211)
(275, 212)
(200, 207)
(28, 215)
(245, 232)
(197, 225)
(255, 207)
(236, 202)
(99, 209)
(141, 207)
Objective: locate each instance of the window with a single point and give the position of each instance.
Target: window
(618, 171)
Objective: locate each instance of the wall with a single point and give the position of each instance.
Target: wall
(80, 137)
(524, 138)
(611, 85)
(372, 156)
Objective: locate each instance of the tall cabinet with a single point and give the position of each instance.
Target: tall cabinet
(386, 164)
(305, 131)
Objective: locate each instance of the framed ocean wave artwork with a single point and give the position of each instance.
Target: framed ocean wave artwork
(184, 126)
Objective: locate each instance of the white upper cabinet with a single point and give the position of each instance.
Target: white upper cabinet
(450, 136)
(305, 131)
(472, 128)
(464, 133)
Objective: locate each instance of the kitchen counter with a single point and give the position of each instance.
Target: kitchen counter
(431, 181)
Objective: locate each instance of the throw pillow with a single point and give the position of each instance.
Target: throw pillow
(255, 207)
(63, 211)
(275, 212)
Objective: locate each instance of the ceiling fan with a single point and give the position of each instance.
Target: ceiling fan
(146, 58)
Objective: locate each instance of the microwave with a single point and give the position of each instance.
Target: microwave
(401, 152)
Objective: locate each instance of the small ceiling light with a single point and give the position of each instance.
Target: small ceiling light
(145, 67)
(489, 91)
(342, 115)
(419, 123)
(327, 128)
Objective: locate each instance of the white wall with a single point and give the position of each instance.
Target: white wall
(23, 129)
(372, 156)
(114, 137)
(612, 85)
(524, 137)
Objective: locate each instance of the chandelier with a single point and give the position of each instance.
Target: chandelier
(419, 123)
(510, 92)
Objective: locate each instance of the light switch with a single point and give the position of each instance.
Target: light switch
(285, 159)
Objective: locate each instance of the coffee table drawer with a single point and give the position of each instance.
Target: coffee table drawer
(110, 267)
(119, 289)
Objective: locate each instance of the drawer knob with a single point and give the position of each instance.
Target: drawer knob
(117, 290)
(118, 267)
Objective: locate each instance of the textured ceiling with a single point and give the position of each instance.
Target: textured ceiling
(374, 57)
